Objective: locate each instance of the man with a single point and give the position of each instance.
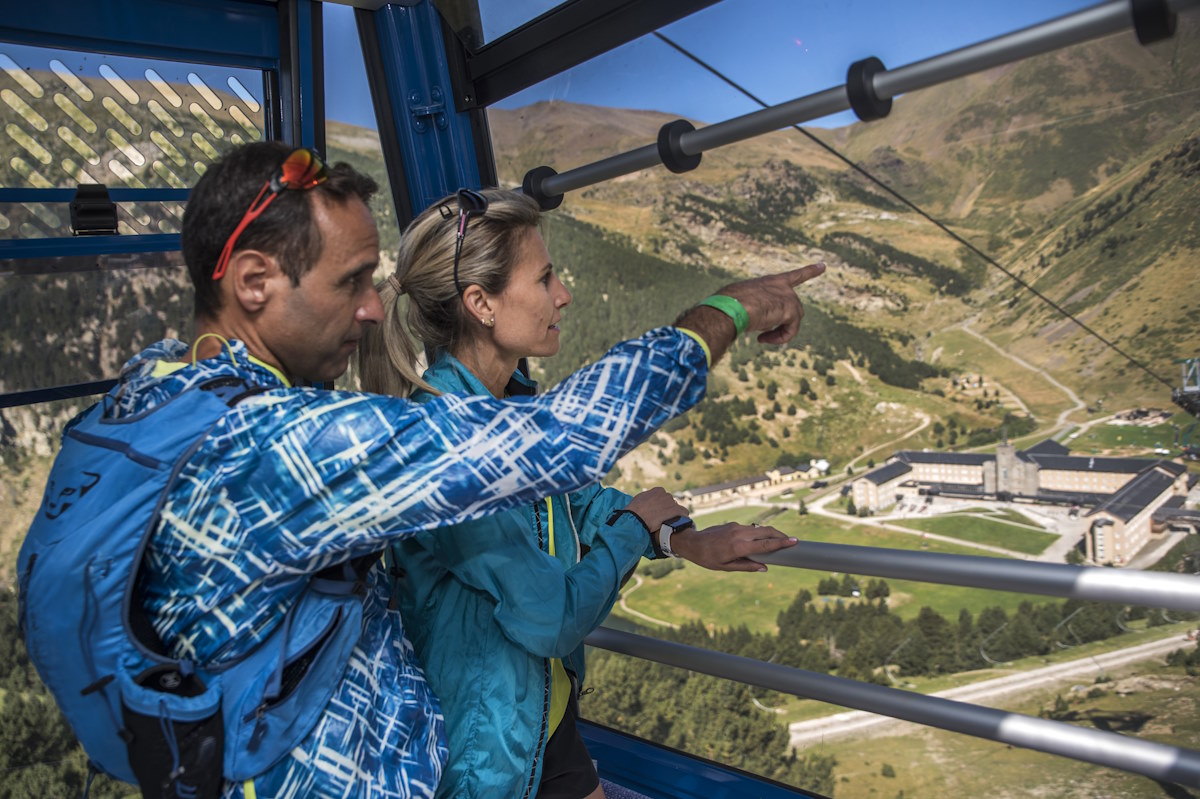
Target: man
(292, 481)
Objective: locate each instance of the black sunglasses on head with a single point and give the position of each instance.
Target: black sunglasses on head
(470, 203)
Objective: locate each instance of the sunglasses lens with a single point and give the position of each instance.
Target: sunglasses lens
(302, 170)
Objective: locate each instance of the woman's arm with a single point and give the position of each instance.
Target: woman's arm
(541, 606)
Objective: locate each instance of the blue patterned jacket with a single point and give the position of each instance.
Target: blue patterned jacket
(294, 480)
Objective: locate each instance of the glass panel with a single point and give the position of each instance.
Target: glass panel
(50, 220)
(480, 22)
(73, 117)
(74, 320)
(351, 131)
(906, 412)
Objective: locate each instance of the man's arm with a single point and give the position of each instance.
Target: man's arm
(771, 304)
(328, 475)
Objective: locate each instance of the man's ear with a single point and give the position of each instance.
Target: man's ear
(250, 279)
(478, 303)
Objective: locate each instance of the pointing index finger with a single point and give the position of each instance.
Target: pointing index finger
(804, 273)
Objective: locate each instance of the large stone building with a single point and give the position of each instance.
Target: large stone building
(721, 492)
(1123, 493)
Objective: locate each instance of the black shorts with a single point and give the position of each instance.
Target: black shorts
(567, 768)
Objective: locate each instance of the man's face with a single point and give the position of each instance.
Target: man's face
(315, 327)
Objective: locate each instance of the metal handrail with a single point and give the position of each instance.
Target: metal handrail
(1154, 760)
(1075, 28)
(1122, 586)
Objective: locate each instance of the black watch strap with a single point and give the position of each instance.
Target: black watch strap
(652, 534)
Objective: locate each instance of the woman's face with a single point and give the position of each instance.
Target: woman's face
(529, 308)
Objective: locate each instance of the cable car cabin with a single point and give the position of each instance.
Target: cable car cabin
(1005, 198)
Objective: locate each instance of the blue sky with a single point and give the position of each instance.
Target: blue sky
(778, 49)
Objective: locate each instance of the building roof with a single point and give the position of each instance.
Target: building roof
(956, 489)
(1173, 468)
(951, 458)
(889, 471)
(1087, 463)
(1166, 515)
(1135, 495)
(1048, 447)
(1080, 498)
(726, 485)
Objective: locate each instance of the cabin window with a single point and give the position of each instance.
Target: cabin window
(74, 117)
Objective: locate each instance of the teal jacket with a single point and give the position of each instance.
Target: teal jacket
(485, 606)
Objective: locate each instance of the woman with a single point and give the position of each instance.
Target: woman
(497, 609)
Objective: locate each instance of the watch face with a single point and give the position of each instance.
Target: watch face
(678, 523)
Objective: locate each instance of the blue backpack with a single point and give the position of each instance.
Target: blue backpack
(173, 726)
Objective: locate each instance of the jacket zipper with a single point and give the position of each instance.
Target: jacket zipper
(537, 516)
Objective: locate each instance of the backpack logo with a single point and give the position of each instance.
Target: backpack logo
(59, 501)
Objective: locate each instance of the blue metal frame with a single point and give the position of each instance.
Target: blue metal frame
(436, 141)
(225, 32)
(307, 76)
(87, 245)
(117, 195)
(660, 772)
(301, 74)
(232, 33)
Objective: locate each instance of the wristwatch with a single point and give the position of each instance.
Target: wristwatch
(670, 527)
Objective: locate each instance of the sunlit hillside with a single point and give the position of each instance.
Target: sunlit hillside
(1077, 172)
(1089, 196)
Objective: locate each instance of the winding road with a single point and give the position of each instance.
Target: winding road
(1071, 395)
(637, 614)
(987, 692)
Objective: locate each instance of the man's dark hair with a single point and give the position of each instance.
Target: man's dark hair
(285, 230)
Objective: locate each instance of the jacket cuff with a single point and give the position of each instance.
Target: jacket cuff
(627, 521)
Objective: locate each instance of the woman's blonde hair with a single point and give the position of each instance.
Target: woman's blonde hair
(434, 314)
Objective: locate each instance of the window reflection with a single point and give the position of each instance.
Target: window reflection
(76, 117)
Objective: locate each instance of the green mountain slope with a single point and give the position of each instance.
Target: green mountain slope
(1074, 170)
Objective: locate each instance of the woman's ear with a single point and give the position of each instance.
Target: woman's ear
(478, 303)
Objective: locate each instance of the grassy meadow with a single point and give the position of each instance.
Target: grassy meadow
(983, 530)
(730, 599)
(1159, 703)
(1106, 438)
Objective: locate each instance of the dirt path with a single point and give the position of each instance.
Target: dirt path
(925, 420)
(1012, 395)
(1071, 395)
(988, 692)
(638, 614)
(853, 372)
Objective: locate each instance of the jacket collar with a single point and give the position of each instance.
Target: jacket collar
(448, 375)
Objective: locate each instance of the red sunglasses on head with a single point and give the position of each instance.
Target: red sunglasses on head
(301, 170)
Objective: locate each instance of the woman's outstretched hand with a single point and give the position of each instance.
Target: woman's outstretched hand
(727, 547)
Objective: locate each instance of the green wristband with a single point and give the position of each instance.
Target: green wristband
(731, 308)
